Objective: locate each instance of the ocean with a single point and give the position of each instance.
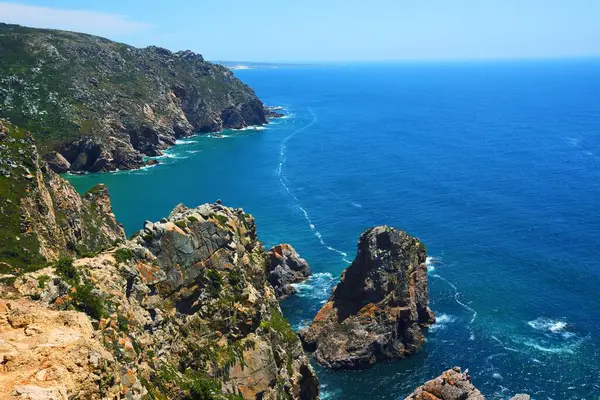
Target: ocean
(495, 166)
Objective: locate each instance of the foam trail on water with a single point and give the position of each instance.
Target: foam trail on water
(282, 180)
(456, 298)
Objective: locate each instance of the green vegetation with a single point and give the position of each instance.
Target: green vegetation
(66, 270)
(280, 325)
(42, 279)
(192, 219)
(221, 218)
(215, 282)
(123, 255)
(181, 224)
(20, 250)
(82, 296)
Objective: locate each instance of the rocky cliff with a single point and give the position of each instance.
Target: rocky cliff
(286, 267)
(380, 307)
(41, 215)
(452, 384)
(104, 105)
(182, 310)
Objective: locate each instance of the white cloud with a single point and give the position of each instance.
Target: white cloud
(97, 23)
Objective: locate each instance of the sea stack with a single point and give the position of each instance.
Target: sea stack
(380, 307)
(286, 267)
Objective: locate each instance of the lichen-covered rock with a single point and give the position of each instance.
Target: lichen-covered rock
(286, 267)
(452, 384)
(103, 105)
(379, 308)
(41, 214)
(185, 309)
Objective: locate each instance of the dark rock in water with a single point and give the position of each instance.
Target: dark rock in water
(379, 308)
(152, 162)
(104, 105)
(285, 268)
(452, 385)
(273, 112)
(57, 162)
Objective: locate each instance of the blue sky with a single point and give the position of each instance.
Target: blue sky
(332, 30)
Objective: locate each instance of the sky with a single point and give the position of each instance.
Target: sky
(331, 30)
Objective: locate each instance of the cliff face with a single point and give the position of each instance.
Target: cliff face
(41, 215)
(379, 308)
(182, 310)
(104, 105)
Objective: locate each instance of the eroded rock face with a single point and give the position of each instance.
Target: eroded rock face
(41, 214)
(286, 267)
(185, 309)
(379, 308)
(452, 384)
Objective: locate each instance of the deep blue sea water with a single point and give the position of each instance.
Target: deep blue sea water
(495, 166)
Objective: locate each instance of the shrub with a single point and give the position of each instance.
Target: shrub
(123, 255)
(65, 269)
(86, 301)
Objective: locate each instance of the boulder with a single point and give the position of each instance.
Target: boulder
(379, 309)
(286, 268)
(57, 162)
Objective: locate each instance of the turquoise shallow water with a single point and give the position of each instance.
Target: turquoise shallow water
(495, 166)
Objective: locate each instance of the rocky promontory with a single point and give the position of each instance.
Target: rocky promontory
(97, 105)
(182, 310)
(452, 384)
(380, 307)
(286, 267)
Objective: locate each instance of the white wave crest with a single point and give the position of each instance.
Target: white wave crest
(318, 286)
(182, 141)
(441, 321)
(548, 324)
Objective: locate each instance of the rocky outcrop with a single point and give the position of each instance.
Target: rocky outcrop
(184, 309)
(380, 307)
(286, 268)
(41, 214)
(104, 105)
(452, 385)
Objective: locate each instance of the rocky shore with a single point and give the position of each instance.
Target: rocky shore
(286, 267)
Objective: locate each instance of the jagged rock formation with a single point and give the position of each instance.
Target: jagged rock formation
(379, 308)
(41, 215)
(104, 105)
(182, 310)
(452, 385)
(285, 268)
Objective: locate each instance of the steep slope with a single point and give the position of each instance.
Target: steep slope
(183, 310)
(379, 309)
(103, 105)
(41, 215)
